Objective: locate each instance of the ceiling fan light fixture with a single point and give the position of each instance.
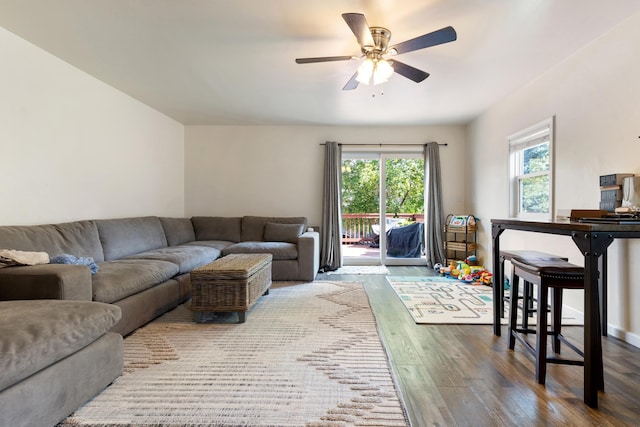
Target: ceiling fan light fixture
(365, 71)
(382, 72)
(374, 72)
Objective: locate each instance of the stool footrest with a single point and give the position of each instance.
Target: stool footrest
(525, 331)
(570, 345)
(527, 344)
(558, 361)
(552, 359)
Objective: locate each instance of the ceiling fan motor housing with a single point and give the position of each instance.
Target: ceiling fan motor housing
(381, 37)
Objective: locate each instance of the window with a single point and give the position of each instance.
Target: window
(531, 171)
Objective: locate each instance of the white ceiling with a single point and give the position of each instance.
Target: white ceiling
(231, 62)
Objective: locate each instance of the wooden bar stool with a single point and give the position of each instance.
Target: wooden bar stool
(522, 255)
(554, 275)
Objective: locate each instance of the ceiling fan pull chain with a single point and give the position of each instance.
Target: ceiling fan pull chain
(373, 91)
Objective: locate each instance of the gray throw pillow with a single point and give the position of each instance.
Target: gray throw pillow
(276, 232)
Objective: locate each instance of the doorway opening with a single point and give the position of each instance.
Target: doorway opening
(383, 208)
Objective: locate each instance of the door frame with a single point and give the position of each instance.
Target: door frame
(382, 154)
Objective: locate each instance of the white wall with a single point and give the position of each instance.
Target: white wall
(273, 170)
(72, 147)
(594, 96)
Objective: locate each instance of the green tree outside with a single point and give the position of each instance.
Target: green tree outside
(404, 186)
(535, 189)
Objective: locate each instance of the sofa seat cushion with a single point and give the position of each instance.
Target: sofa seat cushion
(218, 244)
(119, 279)
(187, 257)
(37, 333)
(279, 250)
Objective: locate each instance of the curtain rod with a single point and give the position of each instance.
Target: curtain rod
(389, 145)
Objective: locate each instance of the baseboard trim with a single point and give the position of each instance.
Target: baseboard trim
(623, 335)
(620, 334)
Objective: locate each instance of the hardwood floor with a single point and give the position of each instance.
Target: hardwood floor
(462, 375)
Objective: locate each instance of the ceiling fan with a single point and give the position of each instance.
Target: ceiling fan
(374, 45)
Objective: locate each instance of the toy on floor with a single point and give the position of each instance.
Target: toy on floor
(465, 271)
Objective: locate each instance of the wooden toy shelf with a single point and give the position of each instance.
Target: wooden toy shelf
(460, 237)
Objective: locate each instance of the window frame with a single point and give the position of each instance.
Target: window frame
(539, 133)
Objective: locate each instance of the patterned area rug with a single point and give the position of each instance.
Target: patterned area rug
(439, 300)
(361, 269)
(308, 355)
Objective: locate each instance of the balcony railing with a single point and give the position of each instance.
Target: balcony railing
(357, 228)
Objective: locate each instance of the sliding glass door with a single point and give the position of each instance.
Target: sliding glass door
(383, 208)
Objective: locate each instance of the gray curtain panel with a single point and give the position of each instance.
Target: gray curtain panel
(331, 229)
(434, 217)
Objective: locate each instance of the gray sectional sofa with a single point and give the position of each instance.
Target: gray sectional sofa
(54, 356)
(143, 267)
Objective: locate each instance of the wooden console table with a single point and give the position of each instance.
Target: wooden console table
(592, 239)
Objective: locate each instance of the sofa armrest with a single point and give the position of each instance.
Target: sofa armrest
(46, 281)
(308, 255)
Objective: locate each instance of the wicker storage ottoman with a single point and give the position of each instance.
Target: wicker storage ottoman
(231, 283)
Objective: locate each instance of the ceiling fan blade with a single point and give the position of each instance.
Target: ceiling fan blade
(352, 83)
(323, 59)
(443, 35)
(358, 24)
(408, 71)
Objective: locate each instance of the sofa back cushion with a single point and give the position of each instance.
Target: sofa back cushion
(178, 230)
(276, 232)
(127, 236)
(217, 228)
(79, 238)
(253, 226)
